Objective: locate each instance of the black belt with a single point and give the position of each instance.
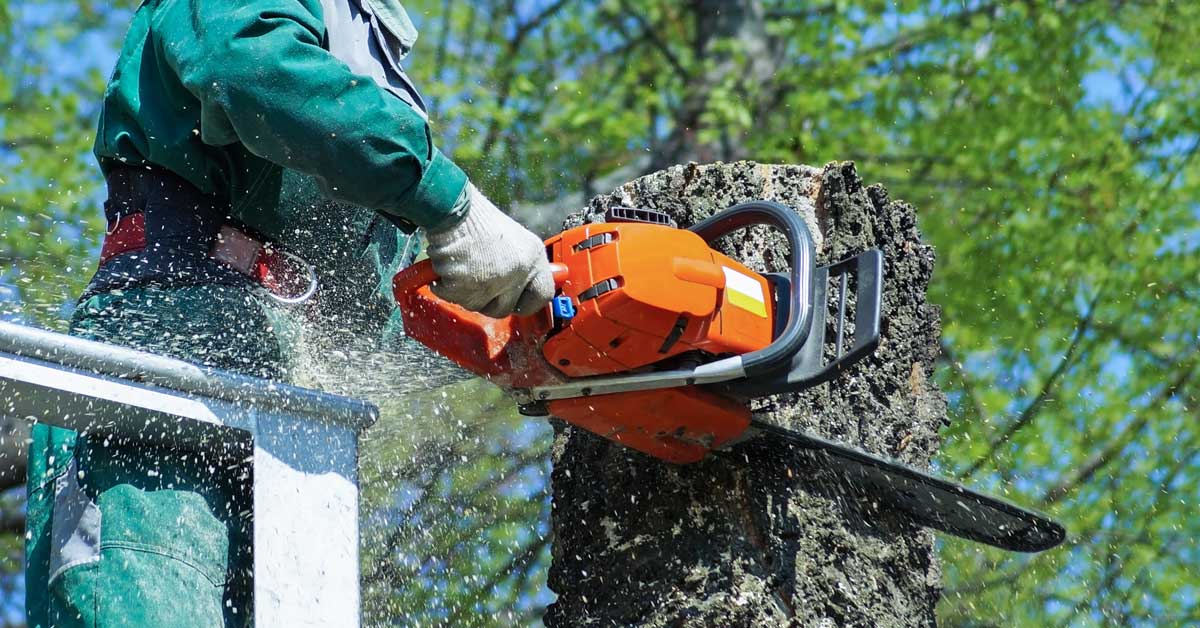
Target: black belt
(163, 231)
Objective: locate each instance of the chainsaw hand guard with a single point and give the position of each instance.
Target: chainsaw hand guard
(795, 358)
(809, 367)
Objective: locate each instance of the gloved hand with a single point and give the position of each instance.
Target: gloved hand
(490, 264)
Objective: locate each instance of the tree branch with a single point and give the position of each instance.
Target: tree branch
(518, 561)
(492, 135)
(650, 33)
(1031, 411)
(1106, 456)
(968, 387)
(801, 14)
(12, 522)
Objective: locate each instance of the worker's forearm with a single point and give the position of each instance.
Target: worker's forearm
(263, 78)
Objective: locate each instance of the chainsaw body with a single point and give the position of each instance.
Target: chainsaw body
(656, 340)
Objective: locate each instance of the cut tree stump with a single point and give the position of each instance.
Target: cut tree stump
(750, 539)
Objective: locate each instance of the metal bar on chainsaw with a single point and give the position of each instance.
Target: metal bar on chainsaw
(305, 452)
(711, 373)
(929, 500)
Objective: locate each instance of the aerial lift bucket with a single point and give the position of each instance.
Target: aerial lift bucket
(305, 444)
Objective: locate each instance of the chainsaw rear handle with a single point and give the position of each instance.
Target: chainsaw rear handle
(422, 274)
(801, 296)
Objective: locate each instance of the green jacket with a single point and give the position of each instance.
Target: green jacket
(228, 93)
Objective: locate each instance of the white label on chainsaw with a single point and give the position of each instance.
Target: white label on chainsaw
(745, 292)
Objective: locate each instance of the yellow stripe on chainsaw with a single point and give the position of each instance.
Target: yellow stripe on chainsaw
(745, 292)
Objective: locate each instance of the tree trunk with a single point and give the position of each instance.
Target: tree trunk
(752, 539)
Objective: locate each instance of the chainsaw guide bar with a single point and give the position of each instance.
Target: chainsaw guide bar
(658, 341)
(926, 499)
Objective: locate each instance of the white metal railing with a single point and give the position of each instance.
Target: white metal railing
(306, 570)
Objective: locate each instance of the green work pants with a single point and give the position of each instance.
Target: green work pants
(122, 534)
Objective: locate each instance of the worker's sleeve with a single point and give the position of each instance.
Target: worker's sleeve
(264, 79)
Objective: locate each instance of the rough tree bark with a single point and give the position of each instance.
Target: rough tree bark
(639, 542)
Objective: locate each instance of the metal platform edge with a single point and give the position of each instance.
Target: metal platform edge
(144, 368)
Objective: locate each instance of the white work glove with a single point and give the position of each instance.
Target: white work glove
(490, 264)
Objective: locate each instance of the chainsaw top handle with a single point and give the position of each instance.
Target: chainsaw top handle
(795, 332)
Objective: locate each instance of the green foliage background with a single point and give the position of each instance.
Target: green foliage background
(1049, 146)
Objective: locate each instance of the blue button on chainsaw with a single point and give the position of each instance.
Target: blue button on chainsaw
(563, 307)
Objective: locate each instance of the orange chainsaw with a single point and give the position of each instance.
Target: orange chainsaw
(658, 342)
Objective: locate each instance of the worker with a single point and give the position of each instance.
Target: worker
(219, 120)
